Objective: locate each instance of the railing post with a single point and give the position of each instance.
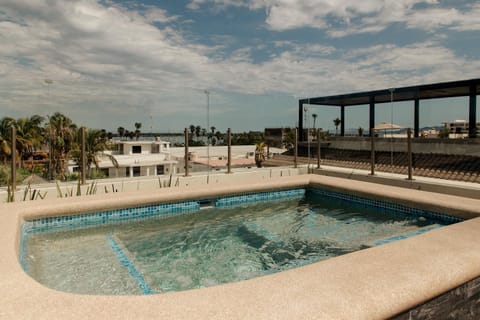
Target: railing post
(229, 162)
(14, 162)
(372, 151)
(319, 152)
(295, 150)
(186, 153)
(409, 151)
(84, 165)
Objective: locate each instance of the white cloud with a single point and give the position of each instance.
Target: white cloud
(340, 18)
(111, 62)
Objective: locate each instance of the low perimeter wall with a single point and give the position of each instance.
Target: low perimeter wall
(102, 186)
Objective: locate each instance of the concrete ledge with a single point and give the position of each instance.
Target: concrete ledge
(461, 189)
(375, 283)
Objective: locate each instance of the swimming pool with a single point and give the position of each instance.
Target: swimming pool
(376, 283)
(201, 243)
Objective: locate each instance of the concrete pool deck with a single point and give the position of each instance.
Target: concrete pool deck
(374, 283)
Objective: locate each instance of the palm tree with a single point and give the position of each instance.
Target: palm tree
(336, 122)
(192, 131)
(314, 115)
(198, 131)
(61, 132)
(29, 136)
(210, 135)
(260, 155)
(121, 132)
(95, 144)
(5, 151)
(138, 125)
(218, 135)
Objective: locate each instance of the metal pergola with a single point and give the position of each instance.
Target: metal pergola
(470, 88)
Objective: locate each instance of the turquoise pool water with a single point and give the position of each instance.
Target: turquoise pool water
(213, 245)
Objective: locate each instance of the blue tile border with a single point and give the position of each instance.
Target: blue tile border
(157, 210)
(405, 236)
(259, 197)
(105, 217)
(127, 263)
(392, 207)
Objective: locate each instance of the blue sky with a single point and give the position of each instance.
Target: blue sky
(112, 63)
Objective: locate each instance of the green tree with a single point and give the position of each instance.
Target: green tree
(360, 131)
(444, 133)
(5, 140)
(260, 154)
(95, 145)
(218, 135)
(138, 125)
(29, 134)
(198, 131)
(61, 133)
(121, 132)
(192, 131)
(336, 122)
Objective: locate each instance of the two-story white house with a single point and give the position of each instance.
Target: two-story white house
(140, 158)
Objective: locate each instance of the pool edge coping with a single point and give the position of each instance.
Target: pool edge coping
(20, 212)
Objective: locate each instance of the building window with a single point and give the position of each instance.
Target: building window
(160, 170)
(136, 171)
(136, 149)
(127, 172)
(105, 171)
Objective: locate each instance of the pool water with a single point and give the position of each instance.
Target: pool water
(209, 247)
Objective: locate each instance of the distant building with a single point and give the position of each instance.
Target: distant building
(277, 137)
(458, 129)
(140, 158)
(429, 133)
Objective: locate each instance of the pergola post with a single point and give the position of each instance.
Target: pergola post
(295, 149)
(342, 119)
(372, 151)
(372, 113)
(472, 114)
(416, 118)
(409, 153)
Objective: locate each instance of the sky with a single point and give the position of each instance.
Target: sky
(242, 64)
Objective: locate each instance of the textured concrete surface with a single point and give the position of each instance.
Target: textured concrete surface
(375, 283)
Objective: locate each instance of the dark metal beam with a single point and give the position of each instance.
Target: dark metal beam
(472, 114)
(416, 119)
(422, 92)
(342, 119)
(372, 113)
(300, 119)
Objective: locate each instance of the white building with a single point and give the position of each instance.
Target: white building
(140, 158)
(459, 129)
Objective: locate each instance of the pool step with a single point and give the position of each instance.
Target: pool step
(123, 256)
(406, 235)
